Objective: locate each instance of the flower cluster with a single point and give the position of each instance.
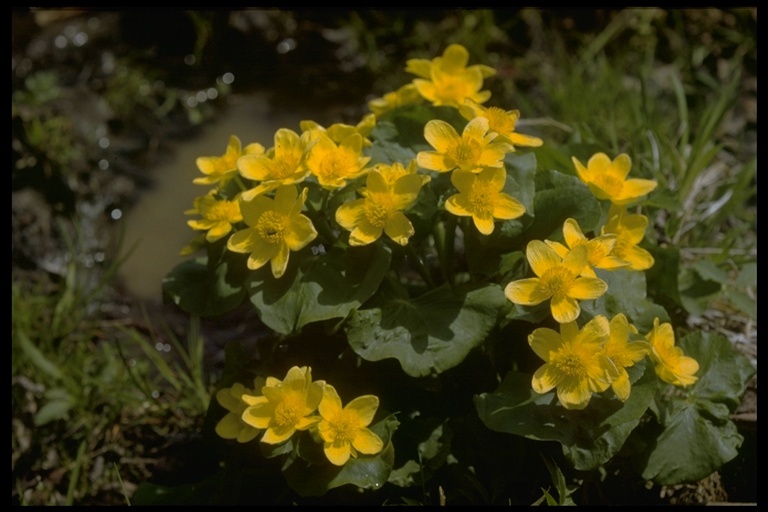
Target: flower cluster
(281, 408)
(580, 362)
(348, 185)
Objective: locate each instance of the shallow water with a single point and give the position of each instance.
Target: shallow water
(156, 224)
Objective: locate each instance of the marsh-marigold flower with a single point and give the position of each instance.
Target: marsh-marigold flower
(345, 430)
(502, 122)
(333, 164)
(629, 229)
(472, 151)
(574, 363)
(223, 168)
(558, 279)
(283, 164)
(276, 227)
(480, 197)
(447, 80)
(287, 406)
(599, 249)
(232, 426)
(623, 353)
(608, 179)
(337, 132)
(381, 208)
(672, 365)
(218, 215)
(405, 95)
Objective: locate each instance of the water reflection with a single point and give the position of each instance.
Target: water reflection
(157, 224)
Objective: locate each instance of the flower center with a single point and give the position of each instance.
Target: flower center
(271, 226)
(466, 153)
(336, 165)
(499, 121)
(289, 411)
(224, 210)
(569, 364)
(378, 210)
(556, 280)
(343, 427)
(284, 167)
(610, 183)
(481, 199)
(451, 89)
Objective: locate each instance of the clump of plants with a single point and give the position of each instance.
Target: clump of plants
(425, 262)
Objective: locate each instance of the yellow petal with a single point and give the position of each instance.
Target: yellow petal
(541, 257)
(261, 253)
(365, 233)
(254, 167)
(242, 241)
(576, 259)
(622, 386)
(574, 393)
(440, 135)
(365, 408)
(622, 164)
(546, 378)
(330, 405)
(544, 342)
(277, 435)
(585, 288)
(572, 233)
(338, 452)
(300, 233)
(564, 309)
(399, 228)
(507, 207)
(526, 292)
(634, 189)
(463, 180)
(638, 258)
(366, 441)
(258, 415)
(455, 58)
(247, 434)
(229, 427)
(476, 128)
(559, 248)
(483, 223)
(433, 161)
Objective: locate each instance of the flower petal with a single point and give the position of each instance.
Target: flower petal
(366, 441)
(544, 342)
(526, 292)
(364, 407)
(586, 288)
(574, 393)
(541, 257)
(546, 378)
(399, 228)
(338, 452)
(507, 207)
(564, 308)
(440, 135)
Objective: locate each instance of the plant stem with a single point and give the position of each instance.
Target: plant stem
(414, 258)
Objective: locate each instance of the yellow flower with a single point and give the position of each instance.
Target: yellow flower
(232, 426)
(629, 229)
(623, 353)
(345, 431)
(223, 168)
(381, 209)
(405, 95)
(501, 122)
(672, 365)
(558, 279)
(276, 228)
(334, 164)
(218, 216)
(574, 363)
(480, 197)
(599, 249)
(447, 80)
(286, 406)
(337, 132)
(472, 151)
(608, 180)
(281, 165)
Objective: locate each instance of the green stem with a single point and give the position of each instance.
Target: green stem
(414, 258)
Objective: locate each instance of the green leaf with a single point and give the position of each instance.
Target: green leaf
(386, 149)
(625, 294)
(698, 436)
(201, 290)
(589, 437)
(37, 358)
(365, 471)
(558, 197)
(318, 287)
(428, 334)
(59, 403)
